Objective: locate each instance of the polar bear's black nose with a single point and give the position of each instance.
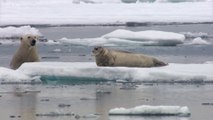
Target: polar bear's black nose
(33, 42)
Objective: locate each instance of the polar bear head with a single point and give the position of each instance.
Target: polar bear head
(29, 40)
(27, 51)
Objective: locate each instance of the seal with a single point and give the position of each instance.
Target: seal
(108, 57)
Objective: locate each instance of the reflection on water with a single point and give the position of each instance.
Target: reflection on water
(28, 103)
(21, 103)
(71, 102)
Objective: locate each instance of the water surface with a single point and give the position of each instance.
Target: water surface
(98, 99)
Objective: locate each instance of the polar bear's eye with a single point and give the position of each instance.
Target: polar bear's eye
(28, 37)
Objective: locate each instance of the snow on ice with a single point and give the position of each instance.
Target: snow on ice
(152, 110)
(121, 37)
(64, 12)
(8, 75)
(16, 32)
(144, 35)
(171, 73)
(191, 73)
(10, 35)
(132, 1)
(125, 37)
(199, 41)
(108, 1)
(157, 37)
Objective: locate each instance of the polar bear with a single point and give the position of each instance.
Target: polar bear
(27, 51)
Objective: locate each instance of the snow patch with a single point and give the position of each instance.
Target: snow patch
(43, 12)
(190, 73)
(170, 73)
(157, 37)
(195, 34)
(16, 32)
(14, 76)
(199, 41)
(122, 37)
(145, 35)
(85, 41)
(104, 1)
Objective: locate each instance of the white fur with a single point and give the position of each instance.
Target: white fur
(25, 53)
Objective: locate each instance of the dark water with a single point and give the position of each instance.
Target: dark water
(97, 31)
(84, 100)
(98, 99)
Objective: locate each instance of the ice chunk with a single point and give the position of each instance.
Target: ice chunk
(12, 75)
(154, 37)
(199, 41)
(146, 35)
(173, 72)
(16, 32)
(85, 41)
(152, 110)
(9, 76)
(122, 37)
(195, 34)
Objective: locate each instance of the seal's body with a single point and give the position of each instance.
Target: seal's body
(107, 57)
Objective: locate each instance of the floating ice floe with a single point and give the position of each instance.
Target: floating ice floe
(122, 37)
(10, 35)
(195, 34)
(8, 76)
(86, 41)
(155, 37)
(199, 41)
(191, 73)
(16, 32)
(9, 42)
(152, 111)
(145, 35)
